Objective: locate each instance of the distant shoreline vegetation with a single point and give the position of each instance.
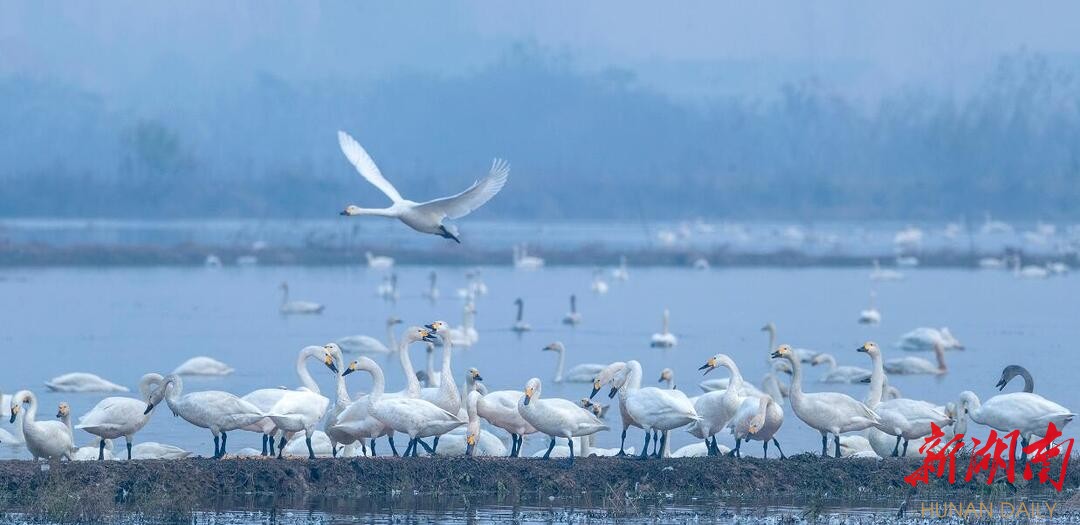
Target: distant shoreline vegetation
(581, 146)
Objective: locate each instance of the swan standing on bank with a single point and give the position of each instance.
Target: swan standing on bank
(583, 373)
(217, 411)
(655, 409)
(203, 366)
(113, 417)
(301, 409)
(364, 344)
(446, 395)
(356, 419)
(558, 418)
(827, 412)
(82, 382)
(758, 419)
(664, 339)
(499, 408)
(617, 375)
(572, 318)
(1023, 411)
(44, 439)
(297, 307)
(718, 408)
(424, 217)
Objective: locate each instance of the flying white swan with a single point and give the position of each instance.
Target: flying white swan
(572, 318)
(424, 217)
(44, 439)
(664, 339)
(758, 419)
(905, 419)
(558, 418)
(524, 261)
(519, 324)
(378, 262)
(1023, 411)
(217, 411)
(924, 338)
(296, 307)
(113, 417)
(655, 409)
(363, 344)
(410, 414)
(203, 366)
(839, 374)
(918, 365)
(301, 410)
(827, 412)
(82, 382)
(583, 373)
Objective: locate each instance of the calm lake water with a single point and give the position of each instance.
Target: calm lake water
(121, 323)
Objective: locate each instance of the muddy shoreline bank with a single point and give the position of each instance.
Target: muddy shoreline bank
(47, 255)
(93, 491)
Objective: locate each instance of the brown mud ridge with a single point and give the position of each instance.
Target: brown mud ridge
(37, 254)
(96, 491)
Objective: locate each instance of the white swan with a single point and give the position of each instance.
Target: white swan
(656, 409)
(839, 374)
(524, 261)
(599, 285)
(572, 318)
(82, 382)
(378, 262)
(446, 396)
(856, 446)
(699, 450)
(388, 288)
(621, 272)
(424, 217)
(301, 409)
(409, 414)
(44, 439)
(333, 434)
(154, 450)
(583, 373)
(924, 338)
(758, 419)
(617, 374)
(870, 315)
(558, 418)
(296, 307)
(466, 335)
(918, 365)
(1030, 271)
(473, 441)
(883, 274)
(203, 366)
(718, 408)
(364, 344)
(499, 408)
(664, 339)
(356, 419)
(827, 412)
(1023, 411)
(905, 419)
(114, 417)
(802, 354)
(519, 324)
(217, 411)
(320, 446)
(1011, 371)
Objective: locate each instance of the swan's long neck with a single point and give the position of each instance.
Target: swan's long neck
(342, 392)
(470, 385)
(735, 384)
(795, 391)
(470, 408)
(970, 402)
(406, 366)
(1029, 382)
(302, 371)
(378, 212)
(30, 418)
(828, 358)
(559, 366)
(877, 381)
(378, 382)
(573, 304)
(447, 373)
(172, 395)
(145, 382)
(520, 310)
(666, 322)
(633, 376)
(66, 420)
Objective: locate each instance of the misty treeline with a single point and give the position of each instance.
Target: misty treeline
(582, 145)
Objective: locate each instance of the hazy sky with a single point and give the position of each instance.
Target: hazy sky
(697, 49)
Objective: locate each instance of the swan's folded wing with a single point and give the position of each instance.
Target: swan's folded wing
(479, 193)
(367, 168)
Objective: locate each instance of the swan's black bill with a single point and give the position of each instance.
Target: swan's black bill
(332, 367)
(347, 372)
(1001, 383)
(430, 327)
(343, 212)
(860, 349)
(776, 353)
(527, 399)
(594, 391)
(614, 390)
(12, 420)
(149, 407)
(864, 380)
(430, 338)
(704, 366)
(478, 378)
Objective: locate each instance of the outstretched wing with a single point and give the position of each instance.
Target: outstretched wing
(479, 193)
(363, 163)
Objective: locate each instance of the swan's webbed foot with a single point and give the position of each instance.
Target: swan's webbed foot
(547, 455)
(392, 447)
(445, 234)
(434, 446)
(310, 451)
(281, 446)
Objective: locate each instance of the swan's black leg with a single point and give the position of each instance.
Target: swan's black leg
(663, 443)
(281, 445)
(513, 445)
(570, 443)
(408, 448)
(129, 450)
(765, 449)
(333, 450)
(372, 447)
(547, 455)
(426, 447)
(307, 441)
(270, 440)
(905, 448)
(264, 445)
(645, 449)
(101, 450)
(655, 441)
(1023, 453)
(896, 447)
(777, 443)
(389, 438)
(224, 438)
(217, 444)
(824, 445)
(735, 451)
(836, 439)
(622, 444)
(434, 445)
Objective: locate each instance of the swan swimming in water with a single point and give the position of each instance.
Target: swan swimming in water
(583, 373)
(621, 272)
(918, 365)
(839, 374)
(82, 382)
(884, 274)
(466, 335)
(296, 307)
(870, 315)
(664, 339)
(524, 261)
(827, 412)
(924, 338)
(114, 417)
(378, 262)
(572, 318)
(364, 344)
(519, 323)
(424, 217)
(558, 418)
(203, 366)
(44, 439)
(599, 285)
